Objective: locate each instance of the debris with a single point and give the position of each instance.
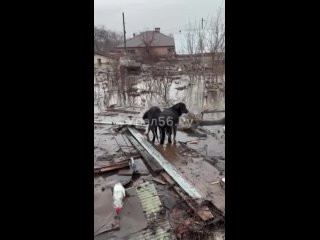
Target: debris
(107, 114)
(167, 166)
(210, 122)
(121, 110)
(183, 128)
(112, 106)
(108, 180)
(158, 181)
(121, 124)
(111, 166)
(218, 236)
(182, 231)
(181, 88)
(105, 158)
(190, 142)
(154, 165)
(125, 172)
(158, 226)
(213, 111)
(133, 94)
(110, 163)
(205, 213)
(192, 132)
(194, 205)
(213, 88)
(215, 182)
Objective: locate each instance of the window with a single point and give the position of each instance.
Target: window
(99, 61)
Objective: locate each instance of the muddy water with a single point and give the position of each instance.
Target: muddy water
(195, 95)
(197, 98)
(196, 170)
(150, 92)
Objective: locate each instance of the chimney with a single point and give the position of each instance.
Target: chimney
(134, 35)
(157, 29)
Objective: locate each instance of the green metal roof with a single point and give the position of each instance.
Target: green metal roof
(151, 204)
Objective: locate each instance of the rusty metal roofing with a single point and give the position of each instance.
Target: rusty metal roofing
(151, 205)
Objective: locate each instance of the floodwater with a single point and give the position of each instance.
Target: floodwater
(197, 95)
(145, 91)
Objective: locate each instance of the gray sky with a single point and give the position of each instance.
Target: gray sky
(141, 15)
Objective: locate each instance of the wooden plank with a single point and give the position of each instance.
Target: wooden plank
(110, 168)
(158, 181)
(125, 172)
(109, 164)
(113, 161)
(167, 166)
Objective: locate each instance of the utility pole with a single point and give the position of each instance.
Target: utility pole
(124, 34)
(202, 23)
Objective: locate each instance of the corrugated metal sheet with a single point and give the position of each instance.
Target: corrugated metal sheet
(151, 204)
(149, 199)
(167, 166)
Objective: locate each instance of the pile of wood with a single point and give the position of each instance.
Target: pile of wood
(109, 166)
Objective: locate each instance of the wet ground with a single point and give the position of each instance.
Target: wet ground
(199, 159)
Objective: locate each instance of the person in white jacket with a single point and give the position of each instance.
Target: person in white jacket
(118, 195)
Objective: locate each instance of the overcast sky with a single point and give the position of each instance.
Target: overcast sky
(141, 15)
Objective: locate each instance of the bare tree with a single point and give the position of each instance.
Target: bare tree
(216, 43)
(195, 39)
(105, 40)
(163, 81)
(164, 86)
(147, 38)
